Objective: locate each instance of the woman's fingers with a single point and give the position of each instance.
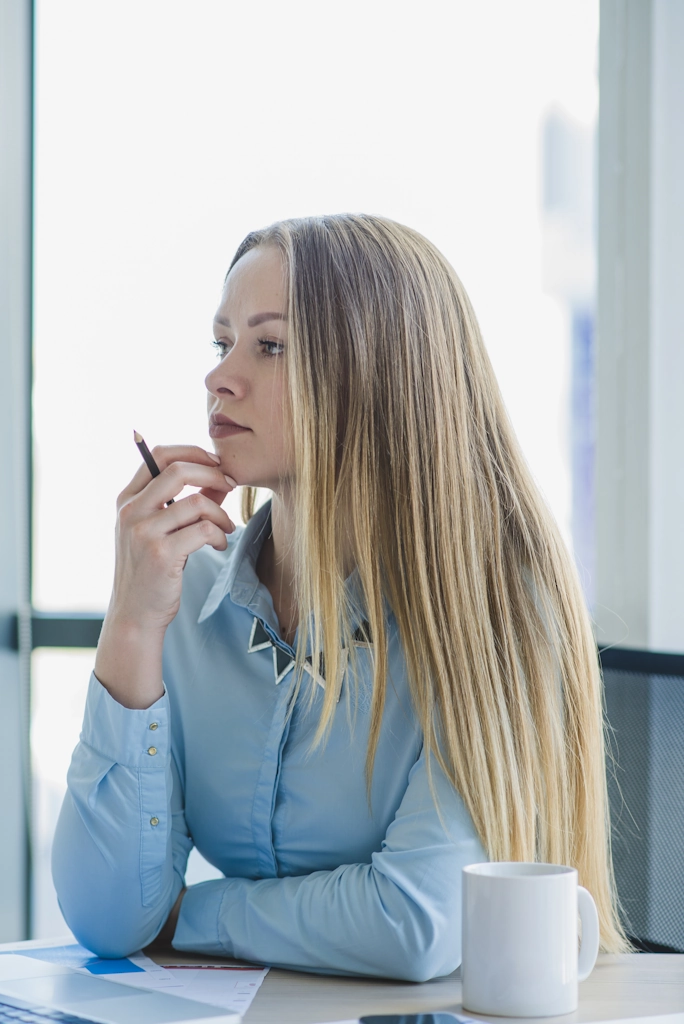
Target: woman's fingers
(164, 455)
(153, 542)
(187, 511)
(173, 479)
(192, 538)
(218, 496)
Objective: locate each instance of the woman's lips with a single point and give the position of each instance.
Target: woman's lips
(222, 426)
(226, 429)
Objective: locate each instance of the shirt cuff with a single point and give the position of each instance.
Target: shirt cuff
(134, 738)
(197, 929)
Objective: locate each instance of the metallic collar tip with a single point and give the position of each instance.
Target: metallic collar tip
(282, 664)
(308, 667)
(362, 635)
(259, 639)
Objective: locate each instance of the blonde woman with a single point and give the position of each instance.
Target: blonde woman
(387, 674)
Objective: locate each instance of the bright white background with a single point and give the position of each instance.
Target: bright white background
(165, 132)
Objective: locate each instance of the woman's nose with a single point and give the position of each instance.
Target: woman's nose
(226, 378)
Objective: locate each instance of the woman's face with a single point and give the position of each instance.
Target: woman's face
(247, 386)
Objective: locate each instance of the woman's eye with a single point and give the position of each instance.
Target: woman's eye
(220, 346)
(271, 348)
(268, 347)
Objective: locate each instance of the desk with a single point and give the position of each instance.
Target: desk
(638, 987)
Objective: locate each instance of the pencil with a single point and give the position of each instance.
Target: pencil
(149, 458)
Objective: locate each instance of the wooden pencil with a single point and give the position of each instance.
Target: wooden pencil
(149, 458)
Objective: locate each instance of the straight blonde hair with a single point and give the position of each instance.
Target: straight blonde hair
(402, 444)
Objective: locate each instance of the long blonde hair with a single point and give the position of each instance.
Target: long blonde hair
(402, 443)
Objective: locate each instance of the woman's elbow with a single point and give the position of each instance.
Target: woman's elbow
(429, 948)
(107, 931)
(108, 941)
(433, 963)
(107, 947)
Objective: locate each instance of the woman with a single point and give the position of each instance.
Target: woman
(389, 673)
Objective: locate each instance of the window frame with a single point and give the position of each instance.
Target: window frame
(16, 219)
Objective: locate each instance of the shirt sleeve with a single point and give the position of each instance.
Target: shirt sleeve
(121, 844)
(397, 917)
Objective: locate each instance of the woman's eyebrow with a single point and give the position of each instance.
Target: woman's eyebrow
(254, 321)
(261, 318)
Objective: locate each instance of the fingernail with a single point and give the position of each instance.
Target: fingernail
(214, 456)
(233, 483)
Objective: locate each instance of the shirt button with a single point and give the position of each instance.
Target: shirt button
(154, 725)
(152, 750)
(154, 821)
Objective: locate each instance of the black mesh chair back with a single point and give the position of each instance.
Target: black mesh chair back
(646, 789)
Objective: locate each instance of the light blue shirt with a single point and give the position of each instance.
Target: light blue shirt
(316, 878)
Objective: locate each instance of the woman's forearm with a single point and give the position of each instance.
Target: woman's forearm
(129, 663)
(398, 916)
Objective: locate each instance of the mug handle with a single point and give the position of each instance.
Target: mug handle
(590, 933)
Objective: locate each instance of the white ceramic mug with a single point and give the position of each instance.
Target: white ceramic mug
(520, 939)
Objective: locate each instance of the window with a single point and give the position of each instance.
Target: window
(165, 132)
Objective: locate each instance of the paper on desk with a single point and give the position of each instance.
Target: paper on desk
(81, 959)
(230, 986)
(143, 973)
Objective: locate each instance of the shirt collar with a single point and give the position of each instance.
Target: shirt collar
(239, 581)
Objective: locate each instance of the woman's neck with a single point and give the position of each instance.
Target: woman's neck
(276, 564)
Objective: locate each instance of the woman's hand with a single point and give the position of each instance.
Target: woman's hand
(152, 547)
(153, 542)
